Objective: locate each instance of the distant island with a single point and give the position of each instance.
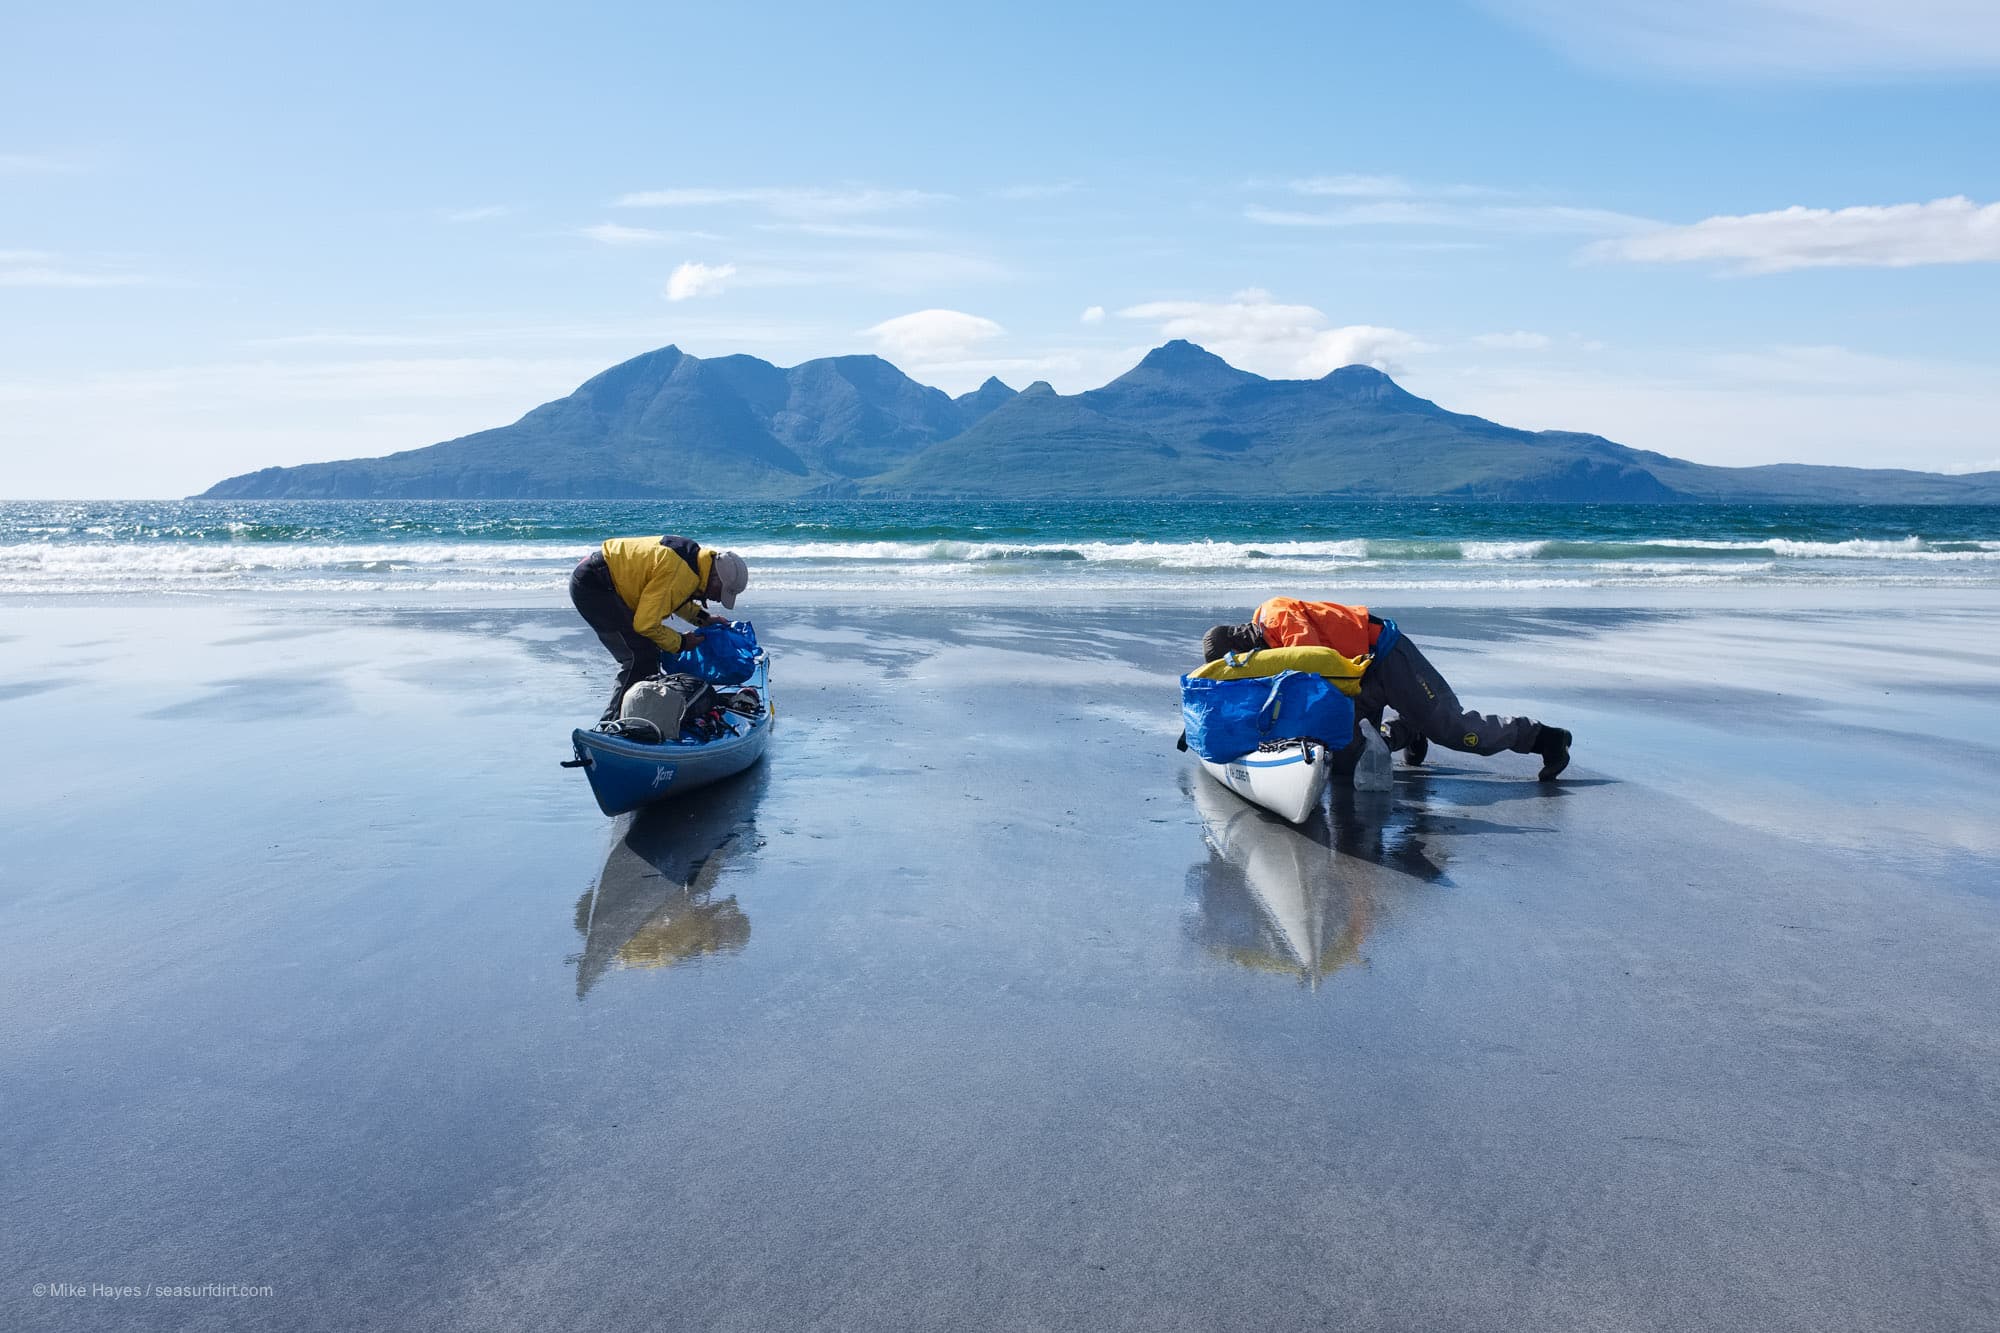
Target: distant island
(1182, 423)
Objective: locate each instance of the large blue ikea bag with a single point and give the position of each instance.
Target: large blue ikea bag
(1228, 718)
(725, 654)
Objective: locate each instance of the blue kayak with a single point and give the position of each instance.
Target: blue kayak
(625, 775)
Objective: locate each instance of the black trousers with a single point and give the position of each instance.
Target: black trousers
(1404, 679)
(597, 601)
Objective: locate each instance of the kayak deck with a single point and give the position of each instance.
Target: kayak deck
(625, 775)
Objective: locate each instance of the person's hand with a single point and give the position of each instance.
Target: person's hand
(690, 639)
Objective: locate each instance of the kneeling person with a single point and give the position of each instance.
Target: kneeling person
(1402, 678)
(627, 588)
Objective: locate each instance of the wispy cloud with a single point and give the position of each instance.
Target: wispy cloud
(31, 163)
(1354, 187)
(1520, 340)
(483, 213)
(851, 231)
(1944, 231)
(1048, 190)
(1093, 314)
(693, 279)
(1801, 404)
(43, 268)
(786, 200)
(933, 335)
(617, 234)
(1513, 217)
(1255, 332)
(1767, 37)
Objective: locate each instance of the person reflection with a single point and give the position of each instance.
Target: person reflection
(653, 905)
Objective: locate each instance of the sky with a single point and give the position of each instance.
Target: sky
(234, 236)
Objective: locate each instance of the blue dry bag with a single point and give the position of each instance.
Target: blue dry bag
(1228, 718)
(725, 654)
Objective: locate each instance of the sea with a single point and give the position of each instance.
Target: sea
(362, 549)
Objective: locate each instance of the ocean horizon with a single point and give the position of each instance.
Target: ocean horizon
(357, 549)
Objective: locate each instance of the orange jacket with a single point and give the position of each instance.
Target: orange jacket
(1288, 622)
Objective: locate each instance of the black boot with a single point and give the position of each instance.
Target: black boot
(1405, 736)
(1553, 746)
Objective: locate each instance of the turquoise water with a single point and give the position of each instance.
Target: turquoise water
(363, 546)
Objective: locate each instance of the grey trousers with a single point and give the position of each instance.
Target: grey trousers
(1404, 679)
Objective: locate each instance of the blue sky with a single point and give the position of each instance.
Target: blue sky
(232, 236)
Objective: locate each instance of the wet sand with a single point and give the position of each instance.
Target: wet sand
(976, 1006)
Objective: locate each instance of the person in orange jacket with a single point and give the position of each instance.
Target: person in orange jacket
(627, 588)
(1401, 678)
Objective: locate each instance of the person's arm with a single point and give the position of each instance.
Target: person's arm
(649, 617)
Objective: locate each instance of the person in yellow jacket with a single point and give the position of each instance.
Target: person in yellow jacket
(627, 589)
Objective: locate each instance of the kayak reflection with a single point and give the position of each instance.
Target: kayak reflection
(1272, 895)
(652, 906)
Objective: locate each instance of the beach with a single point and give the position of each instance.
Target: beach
(976, 1005)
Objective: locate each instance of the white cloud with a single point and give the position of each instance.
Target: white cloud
(693, 279)
(1520, 217)
(1361, 345)
(1093, 314)
(613, 233)
(483, 213)
(1254, 332)
(933, 335)
(1784, 37)
(786, 201)
(1520, 340)
(1944, 231)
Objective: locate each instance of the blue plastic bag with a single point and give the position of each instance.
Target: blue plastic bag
(725, 654)
(1229, 718)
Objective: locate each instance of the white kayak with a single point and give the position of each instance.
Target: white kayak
(1289, 780)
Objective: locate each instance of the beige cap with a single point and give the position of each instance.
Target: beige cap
(731, 576)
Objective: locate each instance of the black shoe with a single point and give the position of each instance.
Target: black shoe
(1553, 746)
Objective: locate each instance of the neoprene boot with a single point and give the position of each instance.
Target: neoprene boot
(1553, 746)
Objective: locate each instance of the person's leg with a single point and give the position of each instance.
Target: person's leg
(1413, 687)
(640, 661)
(596, 599)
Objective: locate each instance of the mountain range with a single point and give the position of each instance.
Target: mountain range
(1181, 423)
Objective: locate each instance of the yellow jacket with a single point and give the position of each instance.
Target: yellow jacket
(656, 581)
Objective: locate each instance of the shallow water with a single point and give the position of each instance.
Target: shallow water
(974, 1005)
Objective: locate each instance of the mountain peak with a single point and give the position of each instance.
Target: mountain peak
(1367, 384)
(1179, 366)
(1183, 356)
